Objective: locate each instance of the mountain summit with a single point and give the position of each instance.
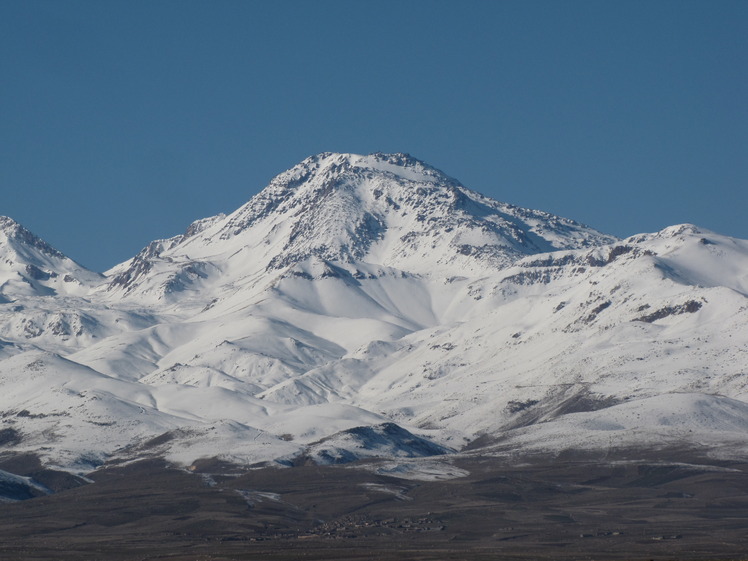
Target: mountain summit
(30, 266)
(385, 209)
(369, 307)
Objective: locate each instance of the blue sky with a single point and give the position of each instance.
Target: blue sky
(122, 122)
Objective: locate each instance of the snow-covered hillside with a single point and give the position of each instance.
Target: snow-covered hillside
(367, 306)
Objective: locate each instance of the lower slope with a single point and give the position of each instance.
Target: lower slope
(642, 342)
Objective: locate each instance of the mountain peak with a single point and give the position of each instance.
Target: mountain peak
(333, 164)
(393, 209)
(30, 266)
(389, 210)
(7, 223)
(19, 237)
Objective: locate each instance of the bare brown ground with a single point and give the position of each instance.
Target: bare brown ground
(545, 509)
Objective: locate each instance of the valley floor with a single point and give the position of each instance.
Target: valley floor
(669, 506)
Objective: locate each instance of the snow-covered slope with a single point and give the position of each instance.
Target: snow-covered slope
(390, 210)
(31, 267)
(371, 306)
(44, 301)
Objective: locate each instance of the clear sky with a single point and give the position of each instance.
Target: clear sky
(123, 121)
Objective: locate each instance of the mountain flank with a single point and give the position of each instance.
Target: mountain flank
(364, 307)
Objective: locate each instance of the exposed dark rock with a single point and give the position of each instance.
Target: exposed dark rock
(36, 273)
(9, 436)
(517, 406)
(389, 437)
(689, 307)
(596, 311)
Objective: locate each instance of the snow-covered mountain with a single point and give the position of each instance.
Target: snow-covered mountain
(392, 211)
(367, 306)
(31, 267)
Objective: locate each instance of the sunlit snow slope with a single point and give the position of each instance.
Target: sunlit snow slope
(367, 306)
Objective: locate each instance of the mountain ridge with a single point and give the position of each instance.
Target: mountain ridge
(357, 291)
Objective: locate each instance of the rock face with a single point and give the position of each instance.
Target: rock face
(364, 306)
